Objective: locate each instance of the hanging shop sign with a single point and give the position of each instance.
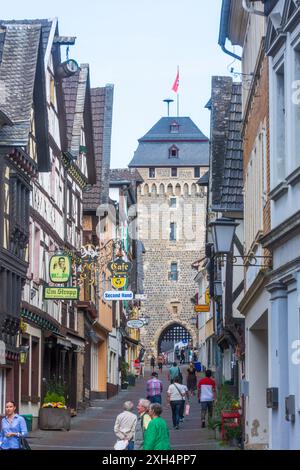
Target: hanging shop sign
(118, 295)
(135, 324)
(118, 282)
(61, 293)
(120, 267)
(60, 269)
(202, 308)
(207, 296)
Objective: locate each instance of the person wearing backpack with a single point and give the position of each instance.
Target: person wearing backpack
(142, 423)
(174, 371)
(176, 394)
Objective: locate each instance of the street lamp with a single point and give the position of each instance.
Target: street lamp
(23, 351)
(223, 231)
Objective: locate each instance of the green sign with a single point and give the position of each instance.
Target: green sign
(60, 269)
(61, 293)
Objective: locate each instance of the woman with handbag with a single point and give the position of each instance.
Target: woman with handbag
(13, 429)
(176, 396)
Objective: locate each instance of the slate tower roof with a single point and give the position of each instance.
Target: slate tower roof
(180, 132)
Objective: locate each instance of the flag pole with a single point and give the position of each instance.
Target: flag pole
(178, 94)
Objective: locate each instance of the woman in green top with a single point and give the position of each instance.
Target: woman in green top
(157, 433)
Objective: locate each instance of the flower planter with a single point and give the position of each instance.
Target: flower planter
(124, 386)
(55, 419)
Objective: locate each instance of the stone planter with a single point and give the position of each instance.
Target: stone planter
(54, 418)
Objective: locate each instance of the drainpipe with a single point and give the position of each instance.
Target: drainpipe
(250, 9)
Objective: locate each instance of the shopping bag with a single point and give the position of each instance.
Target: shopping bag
(187, 409)
(121, 445)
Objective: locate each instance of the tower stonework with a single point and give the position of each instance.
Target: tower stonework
(171, 158)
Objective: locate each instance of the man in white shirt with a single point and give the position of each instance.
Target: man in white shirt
(125, 425)
(176, 394)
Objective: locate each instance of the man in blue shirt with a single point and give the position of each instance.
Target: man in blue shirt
(12, 428)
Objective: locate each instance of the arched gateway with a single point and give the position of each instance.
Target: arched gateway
(171, 335)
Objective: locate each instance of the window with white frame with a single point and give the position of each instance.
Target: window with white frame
(173, 202)
(254, 193)
(279, 126)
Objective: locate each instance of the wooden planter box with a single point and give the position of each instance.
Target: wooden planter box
(54, 418)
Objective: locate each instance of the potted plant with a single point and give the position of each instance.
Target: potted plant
(54, 413)
(124, 375)
(214, 424)
(233, 435)
(131, 379)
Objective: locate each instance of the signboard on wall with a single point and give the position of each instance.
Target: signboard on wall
(59, 269)
(118, 282)
(61, 293)
(136, 324)
(118, 295)
(202, 308)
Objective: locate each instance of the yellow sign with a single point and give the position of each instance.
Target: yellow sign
(207, 296)
(60, 269)
(118, 282)
(61, 293)
(201, 308)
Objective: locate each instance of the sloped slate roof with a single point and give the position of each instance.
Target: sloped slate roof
(117, 175)
(17, 75)
(153, 149)
(161, 130)
(226, 145)
(102, 102)
(45, 24)
(232, 187)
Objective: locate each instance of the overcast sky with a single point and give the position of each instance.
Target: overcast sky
(137, 45)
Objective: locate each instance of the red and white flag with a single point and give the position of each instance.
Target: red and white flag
(176, 83)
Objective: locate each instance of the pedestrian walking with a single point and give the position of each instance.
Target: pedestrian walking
(152, 362)
(143, 421)
(174, 371)
(206, 395)
(157, 436)
(191, 381)
(13, 428)
(195, 355)
(154, 389)
(160, 362)
(176, 394)
(125, 425)
(182, 356)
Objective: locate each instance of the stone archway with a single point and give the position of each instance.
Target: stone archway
(191, 332)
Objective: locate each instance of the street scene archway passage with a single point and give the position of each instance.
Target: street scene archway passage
(174, 334)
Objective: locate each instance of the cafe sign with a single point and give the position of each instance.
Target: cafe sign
(60, 269)
(120, 267)
(61, 293)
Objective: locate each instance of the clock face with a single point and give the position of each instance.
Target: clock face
(72, 65)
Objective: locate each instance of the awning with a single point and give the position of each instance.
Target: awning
(76, 340)
(64, 342)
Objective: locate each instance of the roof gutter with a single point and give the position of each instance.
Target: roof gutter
(225, 12)
(250, 9)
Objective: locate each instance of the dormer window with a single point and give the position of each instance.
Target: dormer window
(174, 128)
(173, 152)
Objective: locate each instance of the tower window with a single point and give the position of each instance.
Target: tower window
(173, 152)
(174, 172)
(151, 172)
(173, 231)
(173, 202)
(173, 274)
(197, 172)
(174, 128)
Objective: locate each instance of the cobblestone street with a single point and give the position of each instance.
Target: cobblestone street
(93, 429)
